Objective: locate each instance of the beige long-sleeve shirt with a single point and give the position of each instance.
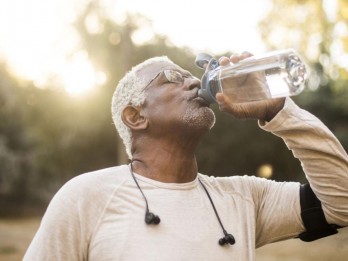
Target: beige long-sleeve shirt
(100, 215)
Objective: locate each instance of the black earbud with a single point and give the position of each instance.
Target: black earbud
(227, 239)
(151, 218)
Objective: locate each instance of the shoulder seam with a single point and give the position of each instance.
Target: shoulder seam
(102, 214)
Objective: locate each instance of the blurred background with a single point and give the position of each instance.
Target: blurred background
(61, 60)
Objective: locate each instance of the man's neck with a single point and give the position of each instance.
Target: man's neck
(169, 162)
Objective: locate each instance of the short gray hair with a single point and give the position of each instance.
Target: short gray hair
(130, 91)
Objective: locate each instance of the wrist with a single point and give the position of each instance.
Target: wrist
(276, 106)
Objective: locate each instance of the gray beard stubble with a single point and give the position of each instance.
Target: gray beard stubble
(201, 118)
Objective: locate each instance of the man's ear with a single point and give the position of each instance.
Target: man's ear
(132, 117)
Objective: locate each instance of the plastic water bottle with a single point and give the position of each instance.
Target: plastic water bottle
(276, 74)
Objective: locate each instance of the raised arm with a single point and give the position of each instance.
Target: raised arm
(323, 159)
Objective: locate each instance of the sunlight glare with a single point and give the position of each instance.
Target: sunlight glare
(36, 39)
(79, 76)
(37, 35)
(214, 28)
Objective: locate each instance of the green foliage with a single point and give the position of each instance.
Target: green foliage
(47, 137)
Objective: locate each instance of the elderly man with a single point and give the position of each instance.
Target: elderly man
(160, 208)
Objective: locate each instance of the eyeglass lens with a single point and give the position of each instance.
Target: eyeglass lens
(173, 76)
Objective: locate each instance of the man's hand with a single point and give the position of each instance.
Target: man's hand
(262, 110)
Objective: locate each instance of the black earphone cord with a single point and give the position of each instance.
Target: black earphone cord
(151, 218)
(228, 238)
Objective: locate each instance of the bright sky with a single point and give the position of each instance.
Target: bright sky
(36, 35)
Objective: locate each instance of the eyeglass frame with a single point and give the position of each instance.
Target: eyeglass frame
(164, 71)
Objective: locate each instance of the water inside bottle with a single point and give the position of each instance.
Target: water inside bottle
(271, 75)
(262, 79)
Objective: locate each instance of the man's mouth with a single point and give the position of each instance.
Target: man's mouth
(201, 101)
(198, 99)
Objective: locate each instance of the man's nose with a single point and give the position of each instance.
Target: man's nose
(192, 82)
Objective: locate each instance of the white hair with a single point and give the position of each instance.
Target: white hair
(130, 91)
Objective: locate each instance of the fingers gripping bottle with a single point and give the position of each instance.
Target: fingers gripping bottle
(276, 74)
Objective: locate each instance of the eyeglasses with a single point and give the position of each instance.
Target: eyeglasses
(172, 76)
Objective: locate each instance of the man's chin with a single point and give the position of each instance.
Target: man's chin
(204, 118)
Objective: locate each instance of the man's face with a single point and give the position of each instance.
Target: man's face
(174, 105)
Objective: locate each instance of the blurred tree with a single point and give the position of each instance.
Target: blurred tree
(15, 141)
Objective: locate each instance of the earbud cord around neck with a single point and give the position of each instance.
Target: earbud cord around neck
(150, 218)
(228, 238)
(227, 235)
(136, 182)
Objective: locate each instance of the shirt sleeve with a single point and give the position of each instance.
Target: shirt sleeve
(277, 209)
(323, 159)
(59, 234)
(68, 223)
